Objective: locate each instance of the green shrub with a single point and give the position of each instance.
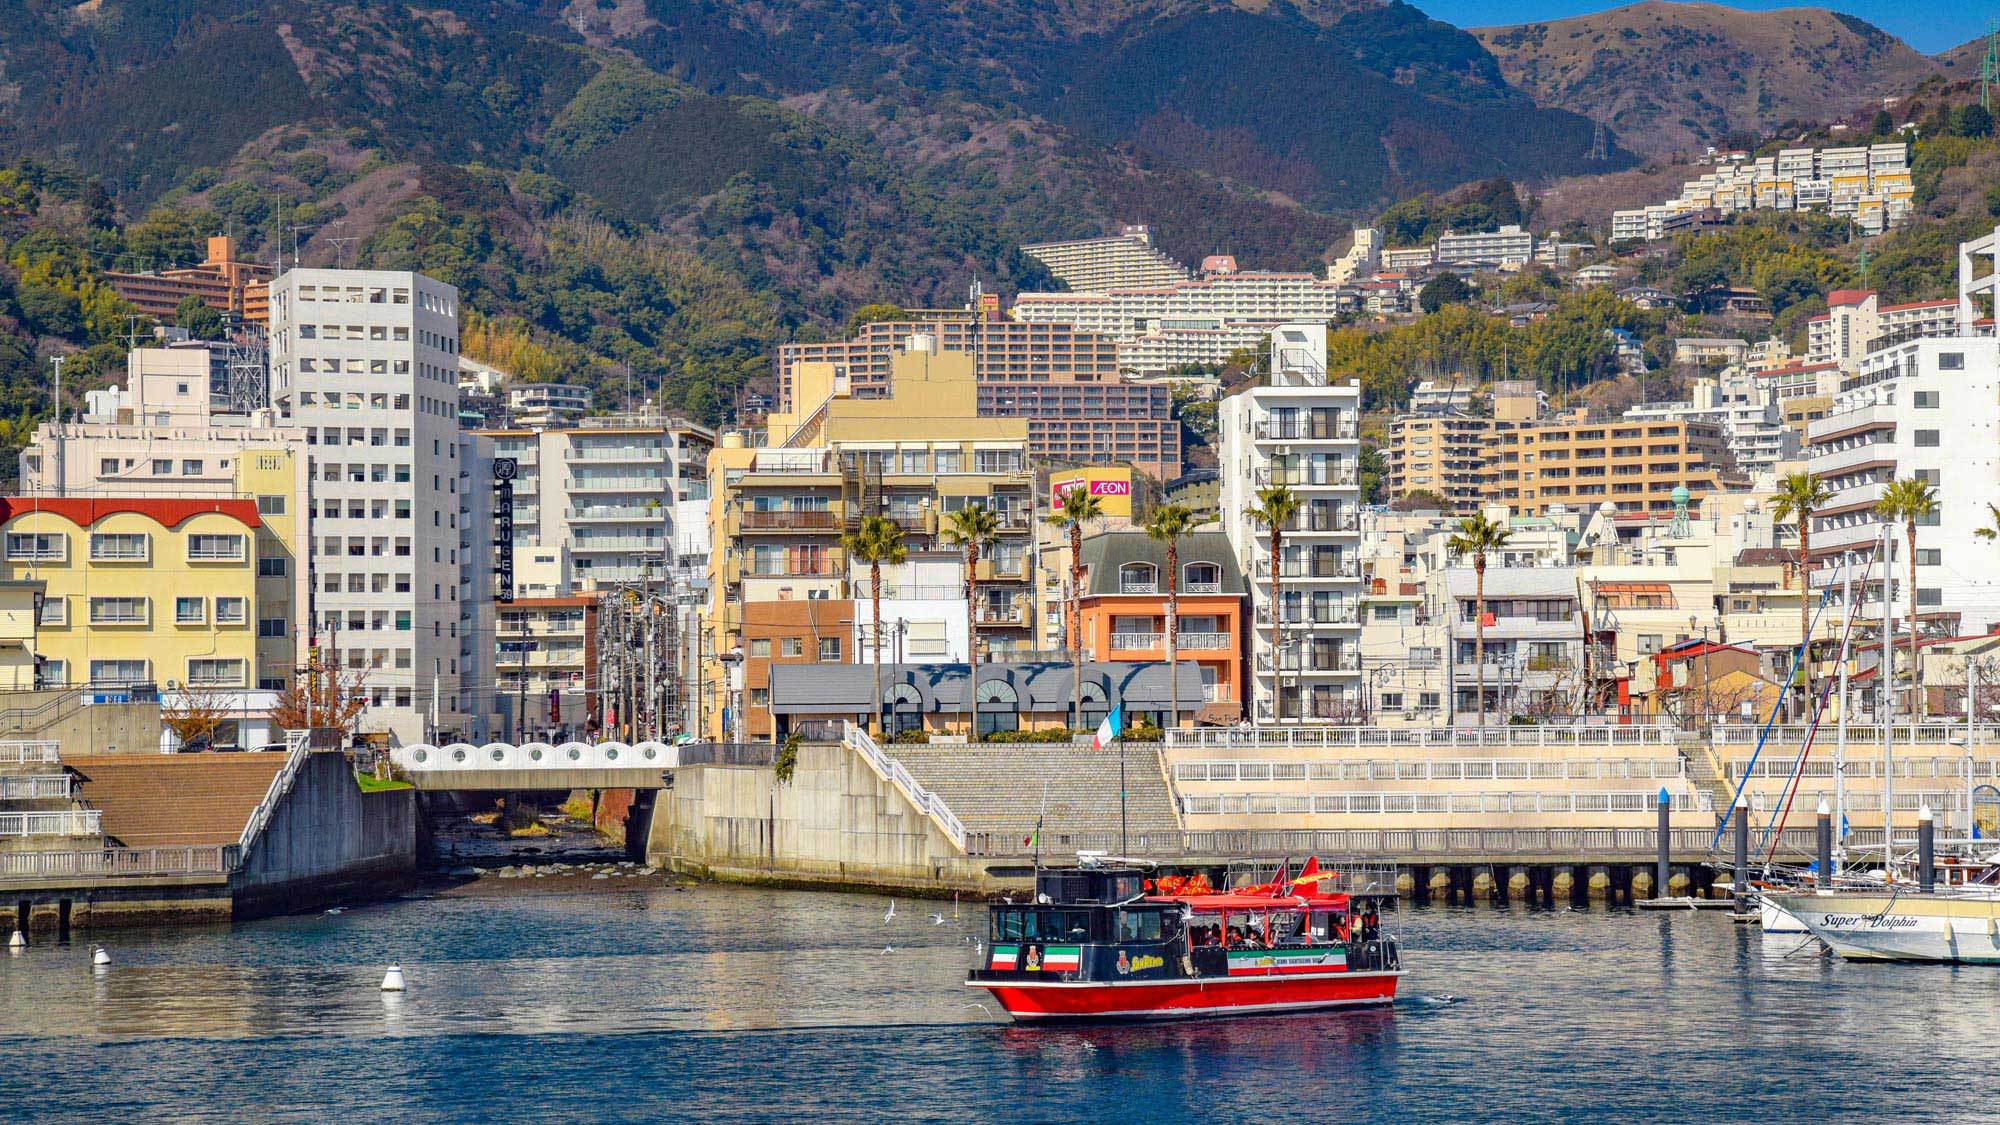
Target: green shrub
(913, 738)
(788, 758)
(1055, 734)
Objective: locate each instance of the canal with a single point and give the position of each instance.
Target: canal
(627, 997)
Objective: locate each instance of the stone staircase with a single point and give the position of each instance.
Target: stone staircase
(998, 788)
(175, 800)
(1705, 773)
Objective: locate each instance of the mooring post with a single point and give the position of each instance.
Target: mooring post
(1740, 885)
(1662, 865)
(1824, 831)
(1926, 850)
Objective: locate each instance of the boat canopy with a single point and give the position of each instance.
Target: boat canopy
(1221, 903)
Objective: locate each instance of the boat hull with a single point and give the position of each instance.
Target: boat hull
(1884, 926)
(1775, 919)
(1037, 1001)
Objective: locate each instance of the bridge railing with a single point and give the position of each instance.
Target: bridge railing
(424, 757)
(119, 862)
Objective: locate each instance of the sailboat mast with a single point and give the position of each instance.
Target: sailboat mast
(1840, 729)
(1885, 674)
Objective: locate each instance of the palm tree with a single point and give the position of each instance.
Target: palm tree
(1276, 508)
(1168, 524)
(1907, 501)
(972, 527)
(877, 541)
(1799, 494)
(1476, 536)
(1992, 530)
(1078, 505)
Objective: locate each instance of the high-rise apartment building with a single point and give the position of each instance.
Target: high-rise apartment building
(1298, 430)
(1747, 411)
(1090, 265)
(1206, 320)
(607, 490)
(1578, 462)
(1064, 382)
(366, 362)
(1856, 322)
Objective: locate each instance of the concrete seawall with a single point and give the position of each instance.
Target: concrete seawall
(836, 822)
(328, 839)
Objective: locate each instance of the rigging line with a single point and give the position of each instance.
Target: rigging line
(1777, 704)
(1769, 845)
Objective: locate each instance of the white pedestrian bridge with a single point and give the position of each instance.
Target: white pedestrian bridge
(566, 765)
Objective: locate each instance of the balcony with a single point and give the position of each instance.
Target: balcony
(616, 512)
(1199, 588)
(823, 567)
(1014, 520)
(790, 521)
(1138, 587)
(1004, 615)
(1306, 525)
(1002, 570)
(1295, 665)
(1867, 454)
(1343, 568)
(1332, 615)
(1343, 477)
(617, 484)
(922, 522)
(1274, 430)
(619, 543)
(1203, 642)
(1136, 642)
(644, 453)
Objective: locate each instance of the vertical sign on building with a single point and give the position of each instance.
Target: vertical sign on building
(504, 470)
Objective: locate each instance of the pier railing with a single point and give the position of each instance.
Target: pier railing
(69, 822)
(894, 772)
(1442, 738)
(35, 752)
(106, 863)
(1405, 845)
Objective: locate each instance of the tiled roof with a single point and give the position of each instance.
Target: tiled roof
(166, 511)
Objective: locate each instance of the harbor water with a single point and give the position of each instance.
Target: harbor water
(629, 998)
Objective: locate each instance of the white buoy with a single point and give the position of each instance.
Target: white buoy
(18, 941)
(99, 957)
(392, 981)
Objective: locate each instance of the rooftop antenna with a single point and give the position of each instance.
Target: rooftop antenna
(340, 243)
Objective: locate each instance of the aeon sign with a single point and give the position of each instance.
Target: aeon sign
(1097, 488)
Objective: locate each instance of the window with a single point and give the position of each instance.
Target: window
(760, 647)
(190, 611)
(760, 697)
(829, 649)
(1951, 361)
(116, 547)
(118, 673)
(37, 546)
(402, 620)
(1930, 597)
(215, 672)
(215, 548)
(272, 567)
(53, 611)
(791, 646)
(1929, 556)
(232, 611)
(119, 611)
(1649, 643)
(51, 674)
(163, 467)
(1392, 701)
(1927, 439)
(108, 467)
(270, 505)
(1926, 400)
(190, 467)
(272, 627)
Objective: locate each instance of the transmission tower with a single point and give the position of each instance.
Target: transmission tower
(1989, 69)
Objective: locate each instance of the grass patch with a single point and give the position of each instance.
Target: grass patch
(369, 783)
(529, 830)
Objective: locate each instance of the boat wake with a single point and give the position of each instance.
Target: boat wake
(1445, 1001)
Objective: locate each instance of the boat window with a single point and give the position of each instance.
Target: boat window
(1125, 887)
(1041, 925)
(1139, 925)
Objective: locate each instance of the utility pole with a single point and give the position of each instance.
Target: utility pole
(521, 682)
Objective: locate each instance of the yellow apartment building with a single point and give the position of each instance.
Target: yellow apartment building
(778, 510)
(1633, 465)
(139, 590)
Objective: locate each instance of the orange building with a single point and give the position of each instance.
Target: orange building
(1124, 609)
(229, 286)
(786, 631)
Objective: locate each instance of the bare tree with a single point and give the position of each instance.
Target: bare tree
(194, 714)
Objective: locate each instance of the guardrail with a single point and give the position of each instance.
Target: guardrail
(43, 752)
(1441, 804)
(39, 787)
(893, 771)
(1316, 737)
(1398, 844)
(1863, 734)
(68, 822)
(212, 859)
(296, 749)
(1426, 769)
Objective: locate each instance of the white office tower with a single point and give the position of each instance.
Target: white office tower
(1298, 429)
(366, 362)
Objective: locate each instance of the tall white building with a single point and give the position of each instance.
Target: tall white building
(366, 362)
(1746, 410)
(1927, 409)
(1299, 431)
(1199, 321)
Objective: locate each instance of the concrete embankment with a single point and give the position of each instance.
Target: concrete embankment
(836, 822)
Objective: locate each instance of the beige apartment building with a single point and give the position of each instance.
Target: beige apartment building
(1635, 466)
(1454, 455)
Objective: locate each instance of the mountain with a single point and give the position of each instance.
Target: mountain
(671, 188)
(1673, 77)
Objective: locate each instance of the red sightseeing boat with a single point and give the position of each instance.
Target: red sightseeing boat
(1104, 943)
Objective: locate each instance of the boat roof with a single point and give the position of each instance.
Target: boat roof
(1229, 901)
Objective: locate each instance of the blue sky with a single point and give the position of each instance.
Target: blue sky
(1929, 28)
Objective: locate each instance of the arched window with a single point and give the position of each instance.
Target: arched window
(1138, 578)
(1201, 578)
(1095, 706)
(906, 709)
(998, 707)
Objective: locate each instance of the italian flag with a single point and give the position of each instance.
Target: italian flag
(1109, 729)
(1004, 957)
(1062, 958)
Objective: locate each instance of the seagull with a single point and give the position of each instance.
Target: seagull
(337, 910)
(888, 949)
(938, 919)
(891, 916)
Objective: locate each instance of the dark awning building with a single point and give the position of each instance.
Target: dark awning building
(931, 697)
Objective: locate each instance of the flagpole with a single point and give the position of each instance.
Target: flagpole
(1124, 847)
(1038, 832)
